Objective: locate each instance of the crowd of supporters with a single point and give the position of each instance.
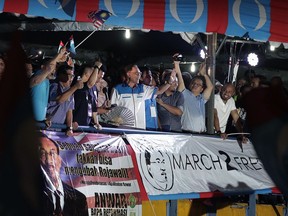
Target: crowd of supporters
(169, 100)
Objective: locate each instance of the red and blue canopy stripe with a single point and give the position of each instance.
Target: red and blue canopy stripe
(259, 19)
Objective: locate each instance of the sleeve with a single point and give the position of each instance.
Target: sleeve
(72, 103)
(233, 106)
(149, 91)
(216, 98)
(180, 100)
(115, 97)
(53, 92)
(94, 106)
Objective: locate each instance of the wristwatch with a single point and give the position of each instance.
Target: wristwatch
(218, 132)
(69, 128)
(95, 66)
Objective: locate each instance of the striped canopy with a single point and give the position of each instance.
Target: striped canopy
(264, 20)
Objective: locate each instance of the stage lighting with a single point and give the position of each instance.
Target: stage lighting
(252, 59)
(202, 53)
(127, 34)
(193, 68)
(272, 48)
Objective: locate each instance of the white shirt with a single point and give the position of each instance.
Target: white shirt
(133, 99)
(223, 110)
(50, 186)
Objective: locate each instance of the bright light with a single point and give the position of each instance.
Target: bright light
(252, 59)
(202, 53)
(272, 48)
(39, 52)
(193, 68)
(127, 34)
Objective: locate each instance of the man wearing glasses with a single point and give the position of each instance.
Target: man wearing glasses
(59, 198)
(61, 98)
(200, 89)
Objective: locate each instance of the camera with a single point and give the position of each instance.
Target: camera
(179, 57)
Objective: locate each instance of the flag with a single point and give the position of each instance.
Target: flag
(98, 17)
(72, 45)
(68, 6)
(61, 44)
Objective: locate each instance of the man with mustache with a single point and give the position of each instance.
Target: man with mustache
(59, 198)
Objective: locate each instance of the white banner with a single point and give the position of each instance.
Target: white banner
(183, 164)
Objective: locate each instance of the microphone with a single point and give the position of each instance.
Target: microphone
(105, 91)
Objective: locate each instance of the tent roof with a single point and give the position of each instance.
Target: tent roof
(265, 20)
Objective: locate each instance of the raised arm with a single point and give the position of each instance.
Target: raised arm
(48, 68)
(209, 86)
(181, 85)
(38, 78)
(172, 109)
(162, 88)
(93, 78)
(66, 95)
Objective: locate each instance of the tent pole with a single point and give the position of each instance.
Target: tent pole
(211, 65)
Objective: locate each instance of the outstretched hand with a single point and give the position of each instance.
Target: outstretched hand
(202, 69)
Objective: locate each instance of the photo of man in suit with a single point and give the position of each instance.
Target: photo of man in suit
(59, 198)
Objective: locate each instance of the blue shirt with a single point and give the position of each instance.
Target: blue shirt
(40, 95)
(151, 113)
(56, 110)
(169, 121)
(193, 117)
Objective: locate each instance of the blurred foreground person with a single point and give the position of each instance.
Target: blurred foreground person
(267, 117)
(2, 66)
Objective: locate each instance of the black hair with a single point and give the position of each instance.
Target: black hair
(41, 135)
(199, 77)
(62, 69)
(82, 68)
(147, 157)
(166, 75)
(61, 72)
(103, 68)
(129, 67)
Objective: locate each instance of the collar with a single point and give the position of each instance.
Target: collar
(50, 186)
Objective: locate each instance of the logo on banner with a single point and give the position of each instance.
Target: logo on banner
(262, 14)
(199, 10)
(157, 169)
(134, 8)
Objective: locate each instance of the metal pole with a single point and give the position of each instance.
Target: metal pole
(171, 208)
(211, 65)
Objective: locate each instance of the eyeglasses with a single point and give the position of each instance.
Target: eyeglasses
(197, 84)
(70, 75)
(44, 154)
(158, 161)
